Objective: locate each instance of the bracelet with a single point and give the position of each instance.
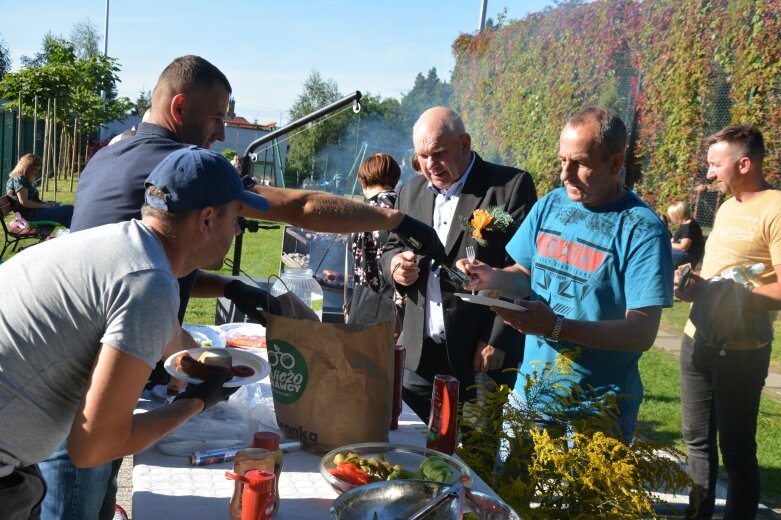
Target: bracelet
(554, 335)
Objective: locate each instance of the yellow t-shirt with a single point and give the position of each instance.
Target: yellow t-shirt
(744, 233)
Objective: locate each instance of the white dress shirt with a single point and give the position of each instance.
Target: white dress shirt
(445, 204)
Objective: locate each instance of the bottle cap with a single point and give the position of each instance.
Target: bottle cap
(265, 440)
(260, 481)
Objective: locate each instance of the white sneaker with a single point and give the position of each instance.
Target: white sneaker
(119, 513)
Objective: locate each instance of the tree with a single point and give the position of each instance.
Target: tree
(49, 43)
(85, 39)
(501, 20)
(5, 58)
(75, 83)
(306, 142)
(143, 102)
(427, 92)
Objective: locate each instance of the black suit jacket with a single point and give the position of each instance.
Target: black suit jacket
(465, 324)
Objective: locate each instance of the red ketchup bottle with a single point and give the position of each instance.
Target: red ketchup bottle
(442, 423)
(257, 499)
(399, 354)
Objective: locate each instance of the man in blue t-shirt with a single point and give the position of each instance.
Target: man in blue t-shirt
(596, 262)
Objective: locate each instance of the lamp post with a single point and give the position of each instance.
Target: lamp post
(480, 25)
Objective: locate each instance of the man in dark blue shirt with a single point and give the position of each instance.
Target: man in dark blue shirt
(189, 105)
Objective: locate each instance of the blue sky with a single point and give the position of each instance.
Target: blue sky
(267, 49)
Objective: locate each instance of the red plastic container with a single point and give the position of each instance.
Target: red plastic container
(442, 424)
(257, 500)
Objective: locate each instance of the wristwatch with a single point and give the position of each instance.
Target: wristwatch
(554, 335)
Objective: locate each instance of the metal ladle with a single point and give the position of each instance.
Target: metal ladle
(456, 491)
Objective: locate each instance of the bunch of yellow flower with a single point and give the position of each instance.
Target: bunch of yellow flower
(574, 468)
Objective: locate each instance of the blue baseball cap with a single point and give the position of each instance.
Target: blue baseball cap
(194, 178)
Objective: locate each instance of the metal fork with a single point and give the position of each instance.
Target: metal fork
(470, 255)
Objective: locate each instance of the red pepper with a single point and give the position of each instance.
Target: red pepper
(350, 473)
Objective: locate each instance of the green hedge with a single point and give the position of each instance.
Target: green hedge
(676, 72)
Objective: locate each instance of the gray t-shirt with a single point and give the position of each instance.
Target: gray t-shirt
(61, 300)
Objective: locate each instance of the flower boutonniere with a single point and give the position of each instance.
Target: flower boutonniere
(493, 218)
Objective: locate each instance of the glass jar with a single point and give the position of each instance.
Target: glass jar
(302, 283)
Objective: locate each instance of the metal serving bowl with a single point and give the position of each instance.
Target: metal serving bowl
(400, 498)
(409, 457)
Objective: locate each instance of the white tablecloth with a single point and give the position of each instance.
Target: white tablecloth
(168, 488)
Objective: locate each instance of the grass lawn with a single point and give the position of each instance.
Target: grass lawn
(64, 196)
(260, 253)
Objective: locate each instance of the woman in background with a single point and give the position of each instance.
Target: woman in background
(687, 241)
(378, 175)
(25, 198)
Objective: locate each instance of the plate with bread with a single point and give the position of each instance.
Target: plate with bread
(198, 364)
(491, 299)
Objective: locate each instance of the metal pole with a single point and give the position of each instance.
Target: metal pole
(54, 143)
(105, 33)
(19, 131)
(481, 23)
(245, 162)
(105, 53)
(35, 124)
(352, 98)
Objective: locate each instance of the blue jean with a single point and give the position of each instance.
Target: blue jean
(682, 257)
(62, 214)
(78, 493)
(720, 395)
(21, 493)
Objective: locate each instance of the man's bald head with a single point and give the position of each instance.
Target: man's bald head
(443, 147)
(440, 119)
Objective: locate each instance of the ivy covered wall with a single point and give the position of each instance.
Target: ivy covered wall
(675, 71)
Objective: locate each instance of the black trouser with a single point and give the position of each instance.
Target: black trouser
(417, 385)
(720, 394)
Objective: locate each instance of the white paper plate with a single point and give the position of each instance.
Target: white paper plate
(233, 330)
(491, 302)
(203, 333)
(240, 357)
(244, 329)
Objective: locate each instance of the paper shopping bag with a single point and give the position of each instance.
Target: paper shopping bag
(332, 383)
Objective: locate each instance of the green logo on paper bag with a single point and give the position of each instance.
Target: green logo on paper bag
(289, 372)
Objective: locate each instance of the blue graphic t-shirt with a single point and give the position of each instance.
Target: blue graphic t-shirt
(594, 264)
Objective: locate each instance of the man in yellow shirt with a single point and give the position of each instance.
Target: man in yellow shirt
(722, 374)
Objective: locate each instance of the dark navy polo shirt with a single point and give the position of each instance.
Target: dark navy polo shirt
(111, 187)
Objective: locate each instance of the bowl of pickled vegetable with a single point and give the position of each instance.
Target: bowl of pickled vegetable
(358, 464)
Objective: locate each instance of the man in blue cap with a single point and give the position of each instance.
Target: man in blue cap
(86, 317)
(189, 106)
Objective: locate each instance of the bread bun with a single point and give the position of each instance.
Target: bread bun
(216, 357)
(490, 293)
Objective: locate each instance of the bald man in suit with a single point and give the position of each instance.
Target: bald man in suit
(442, 333)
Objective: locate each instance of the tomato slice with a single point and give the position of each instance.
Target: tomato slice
(242, 371)
(350, 473)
